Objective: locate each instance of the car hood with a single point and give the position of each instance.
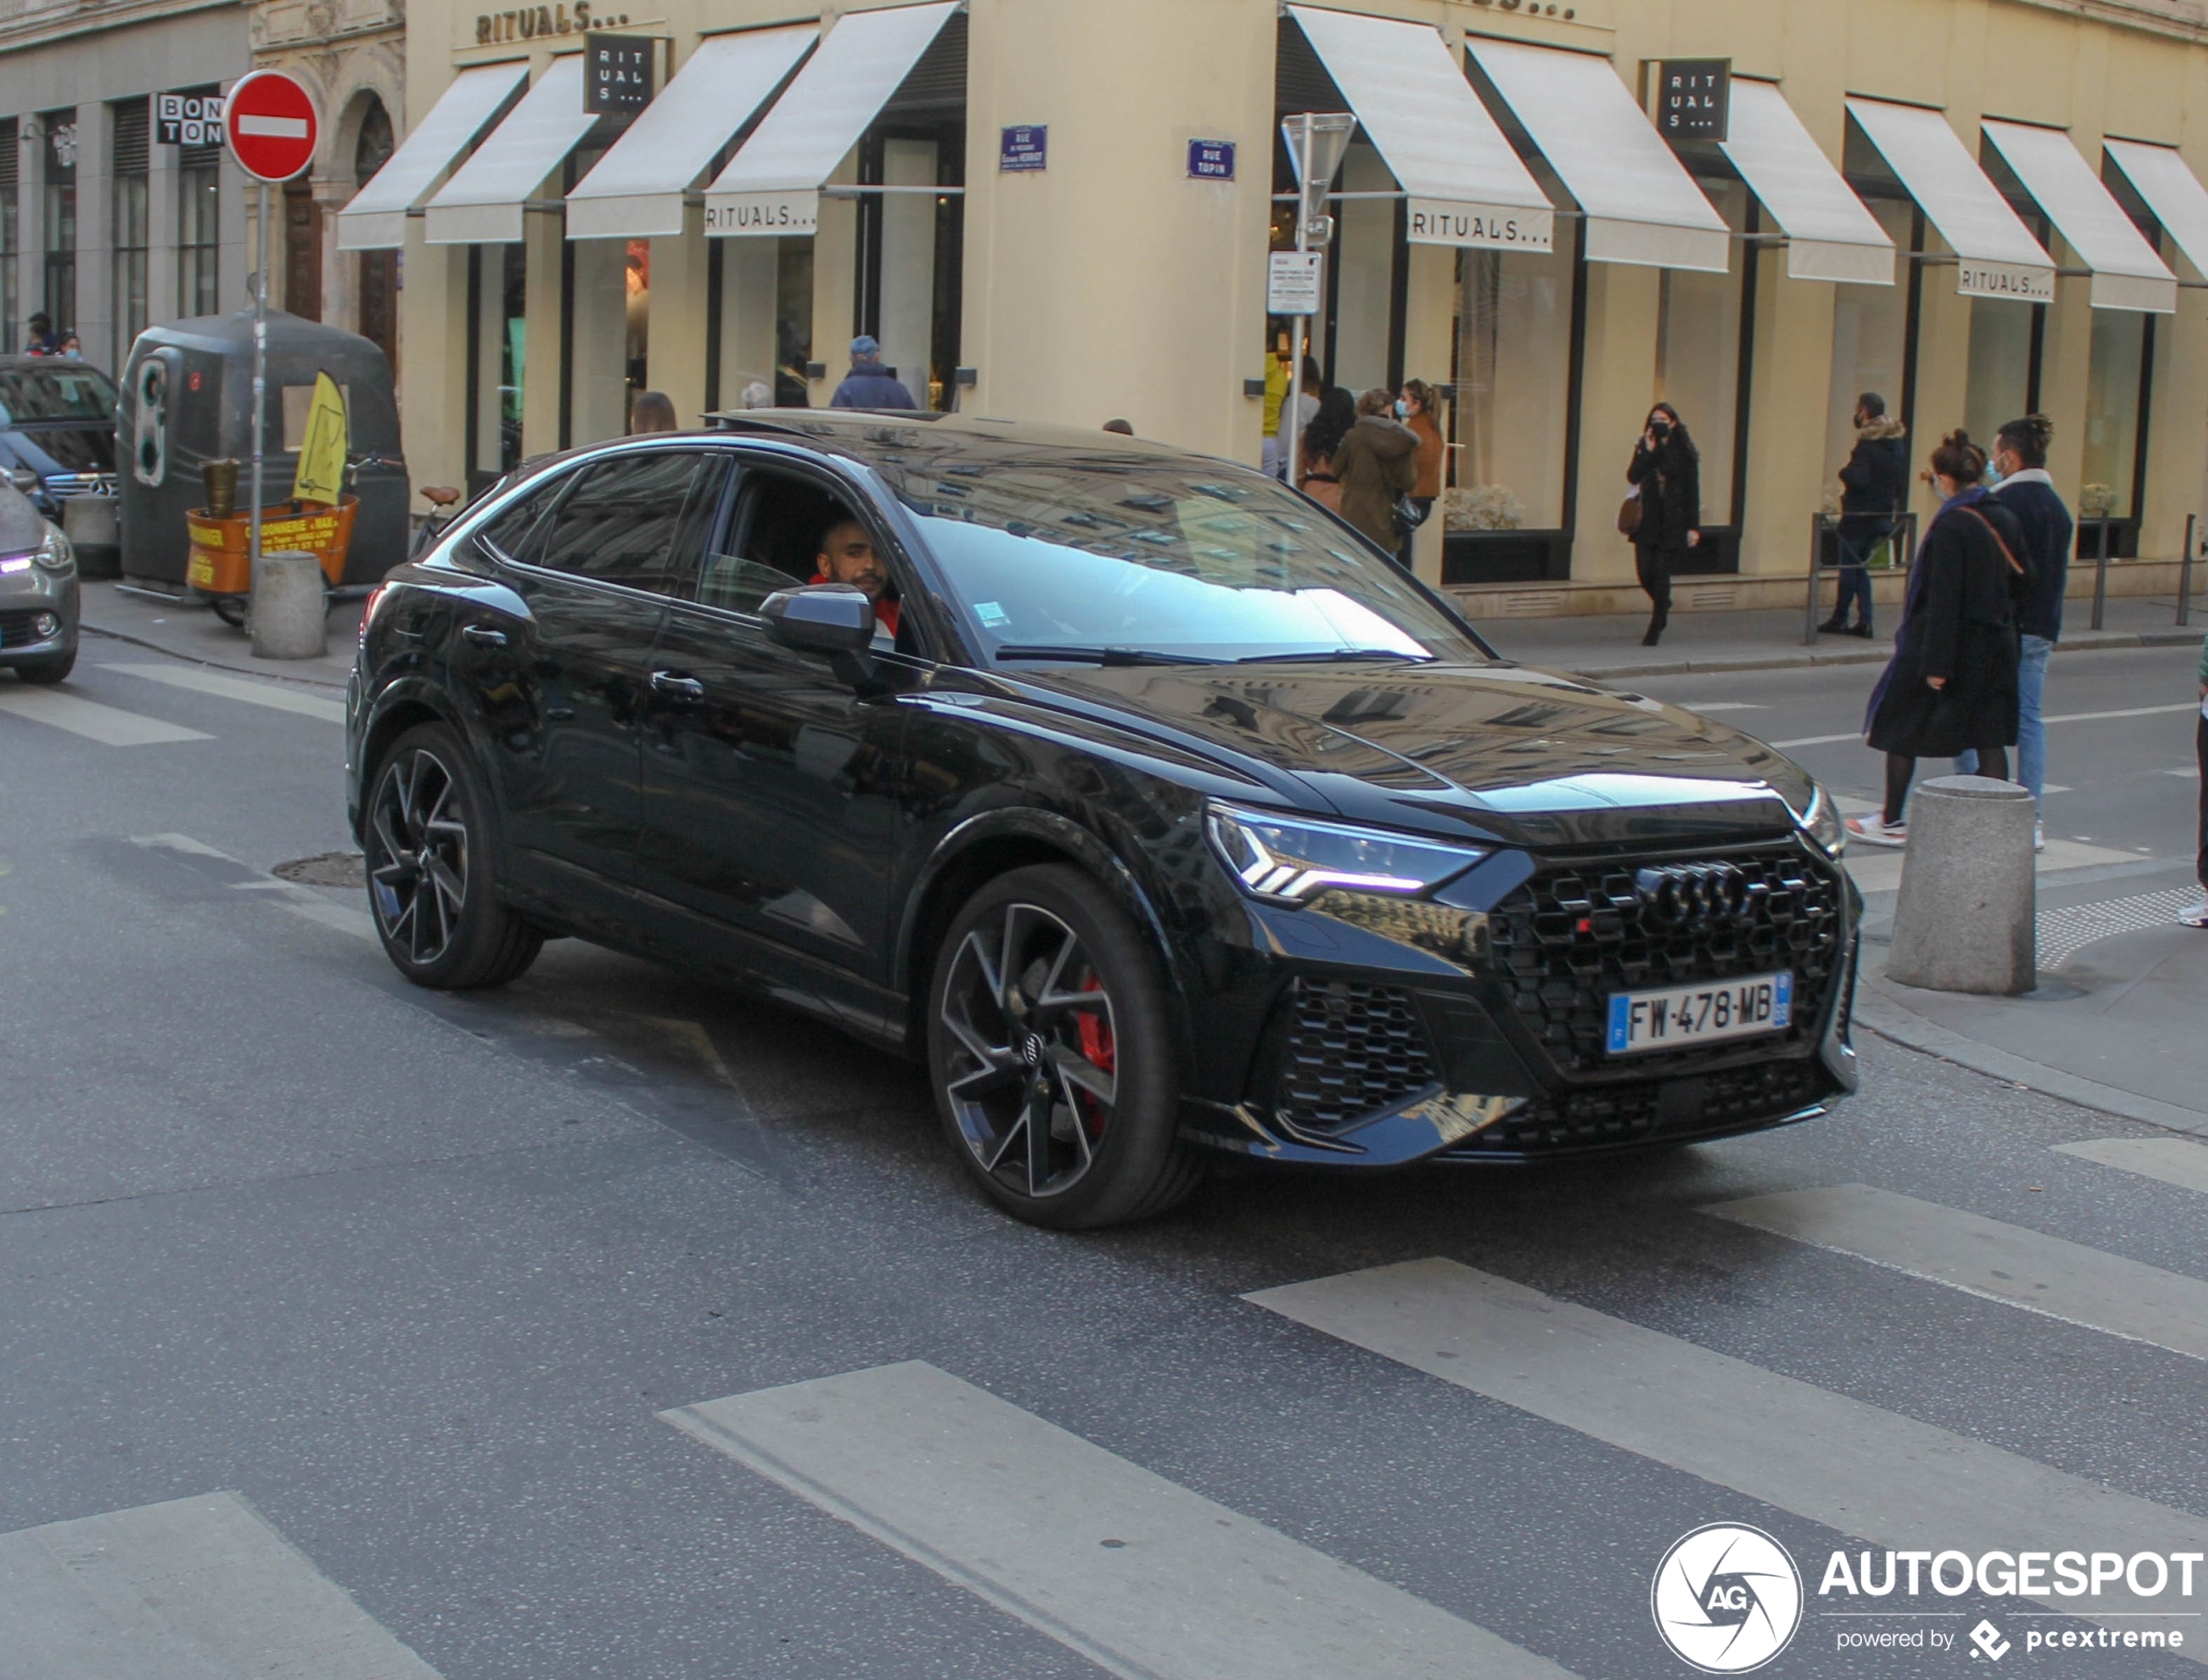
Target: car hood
(1502, 752)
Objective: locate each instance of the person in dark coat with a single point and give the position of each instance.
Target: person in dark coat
(1376, 462)
(1874, 487)
(1667, 471)
(1951, 685)
(870, 385)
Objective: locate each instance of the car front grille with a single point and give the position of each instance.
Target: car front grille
(1351, 1049)
(1577, 932)
(62, 486)
(1619, 1115)
(16, 628)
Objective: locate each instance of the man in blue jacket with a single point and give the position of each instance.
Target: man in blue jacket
(2021, 456)
(870, 385)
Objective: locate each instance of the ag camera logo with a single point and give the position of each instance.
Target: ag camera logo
(1726, 1599)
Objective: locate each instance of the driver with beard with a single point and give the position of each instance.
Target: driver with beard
(848, 555)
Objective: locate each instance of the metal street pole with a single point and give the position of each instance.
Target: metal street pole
(260, 368)
(1292, 432)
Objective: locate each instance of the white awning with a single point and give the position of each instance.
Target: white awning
(481, 205)
(1641, 205)
(375, 220)
(2161, 176)
(1995, 253)
(637, 188)
(1462, 183)
(773, 184)
(1829, 234)
(2127, 274)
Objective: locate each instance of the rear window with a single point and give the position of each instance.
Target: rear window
(65, 391)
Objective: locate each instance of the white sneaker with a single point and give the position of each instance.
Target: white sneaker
(2195, 915)
(2039, 836)
(1876, 831)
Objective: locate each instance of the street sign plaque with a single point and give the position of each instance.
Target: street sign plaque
(1292, 283)
(269, 124)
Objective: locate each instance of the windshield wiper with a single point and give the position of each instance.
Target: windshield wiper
(1096, 655)
(1339, 653)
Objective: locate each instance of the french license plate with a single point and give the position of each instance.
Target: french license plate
(1673, 1016)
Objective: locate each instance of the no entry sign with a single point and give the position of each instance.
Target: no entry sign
(269, 121)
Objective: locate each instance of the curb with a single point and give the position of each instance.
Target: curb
(2107, 638)
(212, 664)
(1897, 1024)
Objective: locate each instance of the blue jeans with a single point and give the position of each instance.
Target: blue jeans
(2032, 733)
(1855, 578)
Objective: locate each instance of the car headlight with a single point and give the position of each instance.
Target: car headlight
(1821, 822)
(1289, 859)
(55, 554)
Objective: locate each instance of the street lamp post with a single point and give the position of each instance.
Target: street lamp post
(1316, 143)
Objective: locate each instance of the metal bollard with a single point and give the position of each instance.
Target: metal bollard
(290, 610)
(1966, 919)
(2185, 573)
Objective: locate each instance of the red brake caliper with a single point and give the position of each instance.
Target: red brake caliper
(1099, 1050)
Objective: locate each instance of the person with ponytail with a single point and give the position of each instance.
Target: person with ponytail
(1950, 687)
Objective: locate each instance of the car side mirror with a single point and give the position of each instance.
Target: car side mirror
(835, 618)
(23, 478)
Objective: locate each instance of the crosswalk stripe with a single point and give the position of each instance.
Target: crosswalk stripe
(109, 725)
(2173, 1160)
(1854, 1467)
(188, 1589)
(2001, 1262)
(273, 695)
(1138, 1574)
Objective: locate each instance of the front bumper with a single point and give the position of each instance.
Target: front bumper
(25, 597)
(1470, 1030)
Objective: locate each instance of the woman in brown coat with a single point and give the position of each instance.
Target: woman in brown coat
(1376, 463)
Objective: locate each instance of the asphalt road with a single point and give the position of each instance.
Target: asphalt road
(340, 1321)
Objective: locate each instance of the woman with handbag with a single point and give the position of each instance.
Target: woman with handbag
(1663, 514)
(1951, 683)
(1377, 465)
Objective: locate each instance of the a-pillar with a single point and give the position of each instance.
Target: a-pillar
(1109, 282)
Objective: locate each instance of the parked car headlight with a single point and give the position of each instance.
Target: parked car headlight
(1289, 859)
(55, 554)
(1821, 822)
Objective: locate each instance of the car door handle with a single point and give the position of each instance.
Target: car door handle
(678, 684)
(482, 635)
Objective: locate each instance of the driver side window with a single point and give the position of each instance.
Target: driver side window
(774, 539)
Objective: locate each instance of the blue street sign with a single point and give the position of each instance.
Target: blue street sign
(1211, 160)
(1025, 146)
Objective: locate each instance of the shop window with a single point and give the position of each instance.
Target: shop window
(2004, 366)
(912, 240)
(498, 344)
(2116, 406)
(1870, 340)
(1512, 389)
(11, 321)
(1698, 354)
(60, 291)
(199, 229)
(129, 226)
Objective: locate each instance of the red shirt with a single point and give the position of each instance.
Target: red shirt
(884, 612)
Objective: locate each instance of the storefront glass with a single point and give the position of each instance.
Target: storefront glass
(1512, 385)
(1698, 354)
(199, 205)
(2122, 344)
(1870, 340)
(502, 344)
(60, 298)
(2003, 366)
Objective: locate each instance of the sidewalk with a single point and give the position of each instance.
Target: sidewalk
(1608, 645)
(190, 630)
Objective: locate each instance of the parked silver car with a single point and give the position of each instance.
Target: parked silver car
(38, 592)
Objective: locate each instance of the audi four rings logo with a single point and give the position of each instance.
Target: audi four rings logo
(1685, 893)
(1726, 1599)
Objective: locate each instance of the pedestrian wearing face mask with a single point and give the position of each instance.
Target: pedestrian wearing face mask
(1665, 472)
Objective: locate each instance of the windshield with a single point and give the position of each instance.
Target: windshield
(1064, 560)
(64, 392)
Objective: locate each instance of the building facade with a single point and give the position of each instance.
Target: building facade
(109, 218)
(1062, 210)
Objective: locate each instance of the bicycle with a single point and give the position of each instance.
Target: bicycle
(440, 498)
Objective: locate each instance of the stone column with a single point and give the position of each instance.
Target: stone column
(160, 232)
(94, 321)
(1618, 384)
(675, 352)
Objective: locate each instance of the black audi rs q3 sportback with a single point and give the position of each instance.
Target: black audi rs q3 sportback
(1155, 810)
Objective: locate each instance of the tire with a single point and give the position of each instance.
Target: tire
(230, 609)
(48, 668)
(1017, 1053)
(432, 856)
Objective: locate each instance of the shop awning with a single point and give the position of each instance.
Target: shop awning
(1829, 234)
(637, 188)
(773, 184)
(1641, 205)
(375, 220)
(483, 202)
(1995, 253)
(1462, 183)
(2127, 274)
(2161, 177)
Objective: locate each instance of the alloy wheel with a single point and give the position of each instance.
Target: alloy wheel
(1033, 1076)
(418, 880)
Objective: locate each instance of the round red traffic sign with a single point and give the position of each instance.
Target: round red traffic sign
(269, 124)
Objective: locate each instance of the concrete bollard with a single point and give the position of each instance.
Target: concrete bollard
(89, 522)
(291, 613)
(1966, 917)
